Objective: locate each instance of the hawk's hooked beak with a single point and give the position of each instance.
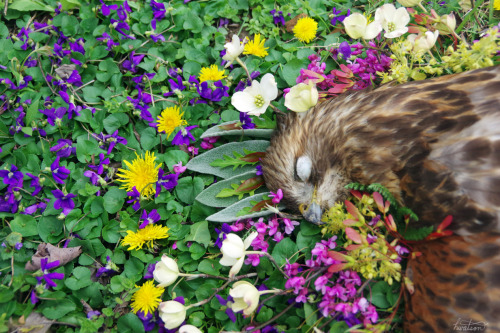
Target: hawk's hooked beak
(313, 212)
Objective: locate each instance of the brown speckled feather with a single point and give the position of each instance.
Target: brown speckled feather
(434, 144)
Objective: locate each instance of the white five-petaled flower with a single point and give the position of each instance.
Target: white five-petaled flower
(166, 271)
(255, 99)
(233, 50)
(233, 251)
(172, 313)
(189, 329)
(356, 25)
(245, 297)
(302, 97)
(394, 21)
(423, 42)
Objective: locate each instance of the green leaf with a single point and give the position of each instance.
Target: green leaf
(208, 266)
(284, 250)
(115, 121)
(30, 5)
(70, 4)
(130, 323)
(86, 148)
(378, 294)
(209, 195)
(188, 188)
(201, 163)
(149, 138)
(91, 94)
(32, 113)
(114, 199)
(218, 130)
(291, 70)
(50, 229)
(25, 225)
(57, 309)
(229, 214)
(199, 233)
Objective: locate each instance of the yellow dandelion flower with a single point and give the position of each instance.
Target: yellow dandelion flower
(142, 173)
(256, 47)
(211, 73)
(305, 29)
(145, 236)
(170, 119)
(147, 298)
(496, 5)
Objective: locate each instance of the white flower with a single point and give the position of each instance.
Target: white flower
(302, 97)
(166, 271)
(245, 297)
(409, 3)
(172, 313)
(356, 26)
(233, 251)
(233, 50)
(394, 21)
(424, 42)
(255, 99)
(189, 329)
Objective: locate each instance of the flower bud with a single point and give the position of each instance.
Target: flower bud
(166, 271)
(233, 50)
(302, 97)
(172, 313)
(446, 24)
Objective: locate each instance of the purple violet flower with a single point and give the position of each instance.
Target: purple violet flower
(278, 17)
(64, 201)
(49, 277)
(64, 148)
(12, 177)
(150, 218)
(184, 136)
(59, 172)
(168, 181)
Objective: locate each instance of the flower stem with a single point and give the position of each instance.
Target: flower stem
(242, 64)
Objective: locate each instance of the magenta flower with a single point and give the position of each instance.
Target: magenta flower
(277, 196)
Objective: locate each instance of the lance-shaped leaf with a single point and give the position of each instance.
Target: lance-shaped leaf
(229, 214)
(201, 163)
(232, 128)
(209, 196)
(239, 160)
(353, 235)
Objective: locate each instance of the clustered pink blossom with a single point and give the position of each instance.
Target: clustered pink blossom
(338, 292)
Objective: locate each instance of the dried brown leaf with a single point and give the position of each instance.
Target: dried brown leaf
(53, 253)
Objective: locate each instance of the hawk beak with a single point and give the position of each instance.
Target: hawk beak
(313, 212)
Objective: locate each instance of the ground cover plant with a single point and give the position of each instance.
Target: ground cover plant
(131, 195)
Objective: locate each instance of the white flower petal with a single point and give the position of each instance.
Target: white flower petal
(236, 267)
(248, 241)
(372, 30)
(243, 101)
(269, 88)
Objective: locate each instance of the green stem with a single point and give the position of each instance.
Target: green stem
(469, 15)
(242, 64)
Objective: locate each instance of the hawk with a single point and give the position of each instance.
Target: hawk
(435, 145)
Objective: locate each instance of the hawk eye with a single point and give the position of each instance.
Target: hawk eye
(303, 167)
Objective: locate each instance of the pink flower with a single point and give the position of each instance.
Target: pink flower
(291, 269)
(277, 196)
(178, 168)
(261, 226)
(273, 226)
(237, 226)
(296, 283)
(289, 225)
(253, 259)
(320, 283)
(278, 237)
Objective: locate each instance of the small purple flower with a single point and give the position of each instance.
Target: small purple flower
(106, 9)
(246, 121)
(131, 64)
(345, 50)
(184, 136)
(135, 198)
(149, 271)
(64, 148)
(109, 269)
(77, 46)
(64, 201)
(59, 172)
(150, 218)
(49, 277)
(259, 170)
(12, 177)
(33, 297)
(168, 181)
(108, 40)
(336, 18)
(18, 246)
(278, 17)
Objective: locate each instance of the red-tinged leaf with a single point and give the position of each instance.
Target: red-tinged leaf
(446, 222)
(353, 235)
(229, 127)
(260, 205)
(338, 89)
(436, 235)
(336, 268)
(356, 194)
(253, 157)
(317, 77)
(250, 184)
(337, 256)
(349, 222)
(379, 200)
(352, 209)
(353, 247)
(345, 69)
(389, 221)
